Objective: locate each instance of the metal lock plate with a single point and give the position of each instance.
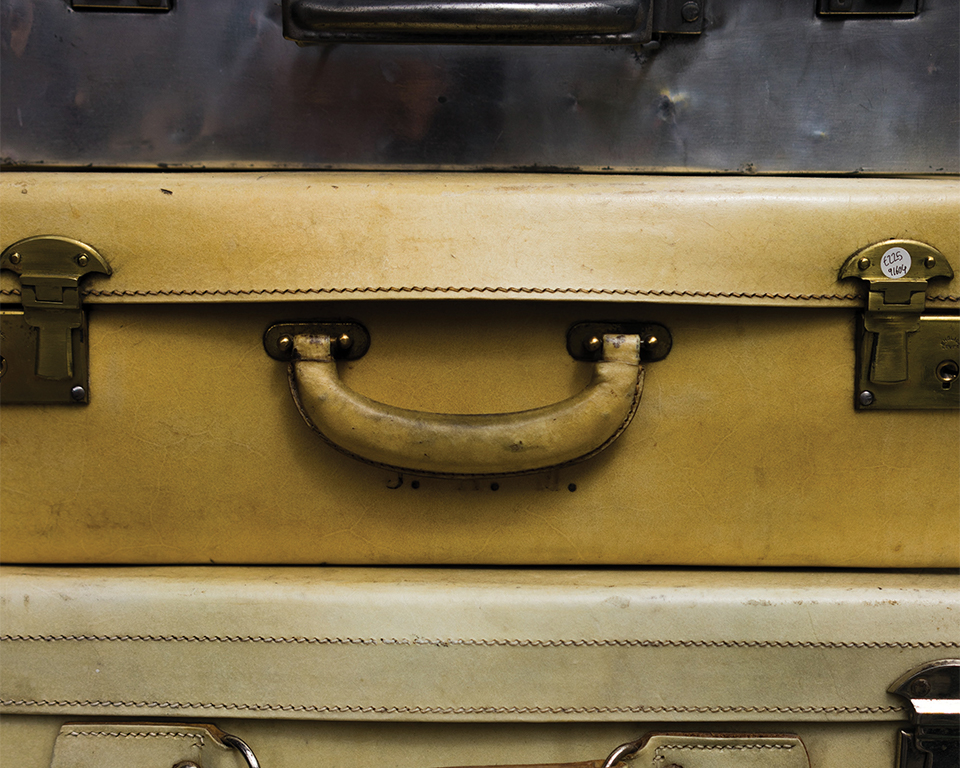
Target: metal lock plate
(907, 358)
(933, 740)
(44, 343)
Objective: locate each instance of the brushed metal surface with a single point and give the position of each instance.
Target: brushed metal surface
(769, 87)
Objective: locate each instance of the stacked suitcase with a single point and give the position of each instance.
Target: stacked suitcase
(478, 385)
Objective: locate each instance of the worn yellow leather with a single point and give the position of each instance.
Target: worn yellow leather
(142, 745)
(291, 236)
(469, 445)
(454, 646)
(746, 450)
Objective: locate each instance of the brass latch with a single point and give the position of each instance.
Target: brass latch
(933, 738)
(44, 347)
(907, 357)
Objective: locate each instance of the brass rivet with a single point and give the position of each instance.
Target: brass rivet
(284, 343)
(592, 344)
(650, 341)
(864, 263)
(82, 259)
(929, 262)
(344, 341)
(14, 258)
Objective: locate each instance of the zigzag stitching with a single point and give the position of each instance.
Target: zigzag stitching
(487, 642)
(360, 709)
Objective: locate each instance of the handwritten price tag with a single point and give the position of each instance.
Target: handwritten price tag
(895, 263)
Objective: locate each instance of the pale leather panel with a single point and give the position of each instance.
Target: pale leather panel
(474, 645)
(28, 741)
(141, 745)
(746, 449)
(189, 237)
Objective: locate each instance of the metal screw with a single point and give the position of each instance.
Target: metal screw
(344, 341)
(920, 687)
(929, 262)
(284, 343)
(78, 393)
(866, 397)
(82, 259)
(864, 263)
(14, 258)
(592, 344)
(690, 11)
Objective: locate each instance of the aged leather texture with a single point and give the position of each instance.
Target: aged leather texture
(469, 445)
(474, 645)
(187, 237)
(144, 745)
(706, 750)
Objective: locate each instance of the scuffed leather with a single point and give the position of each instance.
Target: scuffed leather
(472, 645)
(289, 236)
(142, 745)
(469, 445)
(706, 750)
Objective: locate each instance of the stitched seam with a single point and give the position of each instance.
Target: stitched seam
(724, 746)
(513, 643)
(197, 737)
(360, 709)
(479, 289)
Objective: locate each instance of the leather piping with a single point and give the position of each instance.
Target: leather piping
(478, 642)
(358, 709)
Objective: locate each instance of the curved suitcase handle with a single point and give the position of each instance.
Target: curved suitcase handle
(467, 21)
(468, 445)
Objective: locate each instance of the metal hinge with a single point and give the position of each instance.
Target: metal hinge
(907, 357)
(933, 740)
(44, 344)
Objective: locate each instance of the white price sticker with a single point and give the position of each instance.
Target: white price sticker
(895, 263)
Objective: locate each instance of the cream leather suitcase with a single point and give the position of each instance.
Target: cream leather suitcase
(414, 667)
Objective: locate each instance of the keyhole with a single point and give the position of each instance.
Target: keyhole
(947, 372)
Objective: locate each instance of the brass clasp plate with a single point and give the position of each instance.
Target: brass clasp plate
(45, 341)
(907, 357)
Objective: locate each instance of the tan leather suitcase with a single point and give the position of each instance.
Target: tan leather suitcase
(758, 434)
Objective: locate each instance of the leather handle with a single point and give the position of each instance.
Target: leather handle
(468, 445)
(457, 21)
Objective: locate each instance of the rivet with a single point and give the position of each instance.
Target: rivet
(82, 259)
(690, 11)
(866, 397)
(78, 393)
(344, 341)
(14, 258)
(864, 263)
(284, 343)
(592, 344)
(929, 262)
(650, 341)
(920, 687)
